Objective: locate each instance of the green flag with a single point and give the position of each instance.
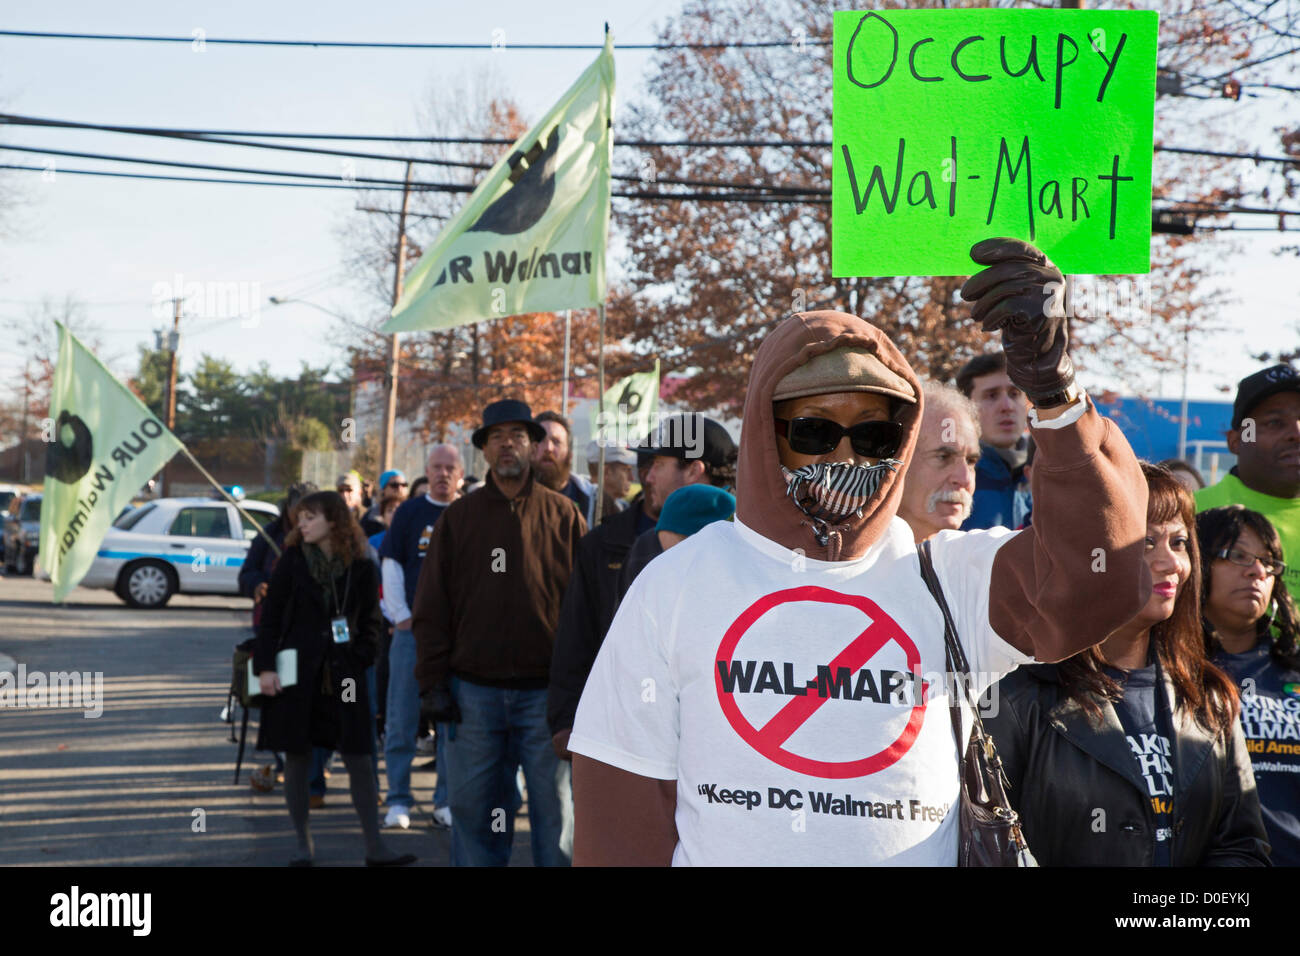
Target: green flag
(532, 236)
(631, 410)
(105, 445)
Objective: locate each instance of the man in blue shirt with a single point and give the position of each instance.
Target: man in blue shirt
(1001, 496)
(402, 553)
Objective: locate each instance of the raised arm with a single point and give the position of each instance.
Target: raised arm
(1077, 573)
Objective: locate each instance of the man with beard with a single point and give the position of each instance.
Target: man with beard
(486, 607)
(940, 478)
(553, 462)
(764, 693)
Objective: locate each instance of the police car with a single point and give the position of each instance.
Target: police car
(186, 545)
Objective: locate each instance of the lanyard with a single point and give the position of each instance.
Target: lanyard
(347, 580)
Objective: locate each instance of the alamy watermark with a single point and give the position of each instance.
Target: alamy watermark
(1125, 298)
(627, 427)
(209, 300)
(57, 690)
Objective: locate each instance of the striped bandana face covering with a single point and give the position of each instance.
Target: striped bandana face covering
(829, 492)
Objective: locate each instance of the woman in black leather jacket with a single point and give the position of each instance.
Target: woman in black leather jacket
(1130, 753)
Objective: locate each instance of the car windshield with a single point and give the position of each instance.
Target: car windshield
(128, 520)
(31, 510)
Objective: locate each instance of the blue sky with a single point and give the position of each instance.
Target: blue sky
(111, 242)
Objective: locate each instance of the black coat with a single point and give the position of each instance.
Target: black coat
(322, 709)
(1084, 803)
(644, 550)
(260, 561)
(590, 601)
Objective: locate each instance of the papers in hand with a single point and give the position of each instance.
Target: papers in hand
(286, 665)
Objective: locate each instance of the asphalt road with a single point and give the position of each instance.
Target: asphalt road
(149, 781)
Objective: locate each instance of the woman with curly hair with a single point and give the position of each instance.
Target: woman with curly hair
(1251, 628)
(322, 603)
(1129, 753)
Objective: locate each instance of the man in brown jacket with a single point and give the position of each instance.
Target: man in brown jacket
(771, 690)
(486, 607)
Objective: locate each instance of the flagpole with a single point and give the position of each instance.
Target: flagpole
(568, 328)
(600, 417)
(256, 524)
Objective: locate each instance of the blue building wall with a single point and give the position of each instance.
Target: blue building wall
(1151, 427)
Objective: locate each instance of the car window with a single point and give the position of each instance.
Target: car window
(250, 529)
(5, 498)
(132, 518)
(202, 523)
(31, 510)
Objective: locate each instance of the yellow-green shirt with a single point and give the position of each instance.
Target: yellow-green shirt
(1284, 513)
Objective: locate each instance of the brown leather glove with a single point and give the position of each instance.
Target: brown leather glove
(1018, 293)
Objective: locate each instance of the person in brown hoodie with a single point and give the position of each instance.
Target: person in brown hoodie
(771, 690)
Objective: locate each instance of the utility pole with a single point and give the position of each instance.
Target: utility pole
(27, 407)
(1182, 415)
(390, 377)
(173, 344)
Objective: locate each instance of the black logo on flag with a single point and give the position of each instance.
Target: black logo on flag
(68, 463)
(533, 187)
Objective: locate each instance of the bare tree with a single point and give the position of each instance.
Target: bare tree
(706, 280)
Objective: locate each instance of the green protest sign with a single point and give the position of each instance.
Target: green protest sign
(952, 126)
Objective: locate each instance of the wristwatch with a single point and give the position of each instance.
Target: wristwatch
(1067, 396)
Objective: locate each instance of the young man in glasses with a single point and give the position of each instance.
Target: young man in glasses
(771, 690)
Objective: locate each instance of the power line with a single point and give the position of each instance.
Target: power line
(667, 197)
(202, 138)
(1203, 208)
(428, 187)
(159, 177)
(1249, 210)
(424, 186)
(1290, 160)
(199, 38)
(211, 135)
(13, 119)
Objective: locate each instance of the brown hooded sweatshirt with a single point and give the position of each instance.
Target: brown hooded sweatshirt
(1050, 591)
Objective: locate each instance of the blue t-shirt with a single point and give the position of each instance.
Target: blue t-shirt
(643, 521)
(1270, 719)
(408, 539)
(1146, 727)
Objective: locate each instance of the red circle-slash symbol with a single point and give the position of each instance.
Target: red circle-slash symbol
(770, 738)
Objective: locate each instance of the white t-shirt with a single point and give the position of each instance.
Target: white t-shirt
(781, 693)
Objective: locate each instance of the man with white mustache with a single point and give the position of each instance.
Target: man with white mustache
(940, 478)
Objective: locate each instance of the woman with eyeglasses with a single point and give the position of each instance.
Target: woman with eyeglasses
(1129, 753)
(1251, 628)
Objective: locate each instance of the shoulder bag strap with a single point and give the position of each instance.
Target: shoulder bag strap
(960, 668)
(953, 654)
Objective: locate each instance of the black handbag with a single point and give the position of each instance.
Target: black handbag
(989, 832)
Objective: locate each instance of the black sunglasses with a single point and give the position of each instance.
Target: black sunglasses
(817, 436)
